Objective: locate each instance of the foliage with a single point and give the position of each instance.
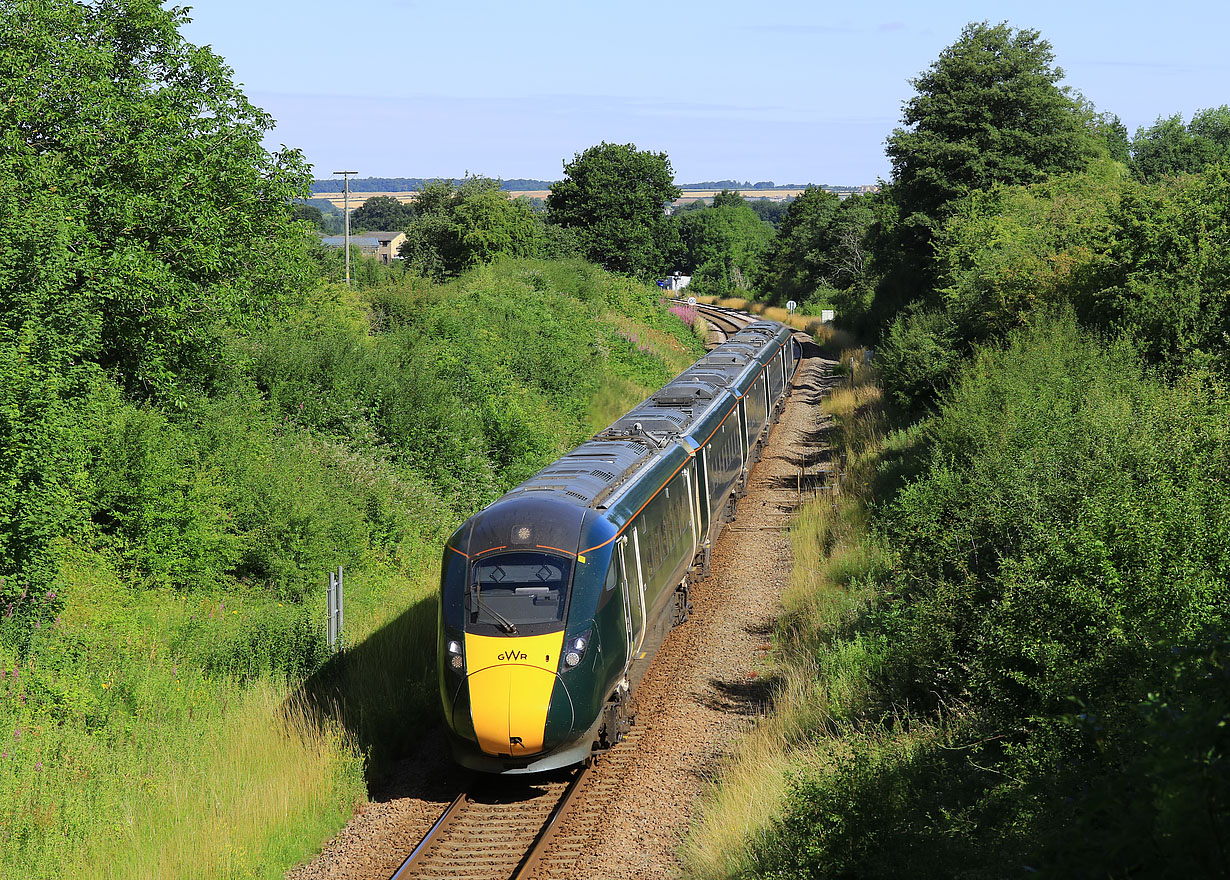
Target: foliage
(382, 214)
(1166, 277)
(722, 245)
(1168, 147)
(309, 214)
(988, 111)
(918, 357)
(167, 214)
(770, 211)
(1051, 683)
(456, 227)
(821, 243)
(614, 195)
(139, 214)
(1008, 250)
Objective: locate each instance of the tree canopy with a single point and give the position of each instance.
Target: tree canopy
(989, 110)
(721, 245)
(820, 244)
(382, 214)
(1168, 147)
(457, 226)
(615, 196)
(158, 210)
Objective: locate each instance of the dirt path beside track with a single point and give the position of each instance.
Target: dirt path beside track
(702, 692)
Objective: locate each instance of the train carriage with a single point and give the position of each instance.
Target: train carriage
(555, 598)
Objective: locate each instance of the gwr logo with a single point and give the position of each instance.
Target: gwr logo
(513, 655)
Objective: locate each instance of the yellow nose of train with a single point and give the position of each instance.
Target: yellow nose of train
(510, 682)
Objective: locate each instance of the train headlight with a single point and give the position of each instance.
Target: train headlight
(456, 660)
(574, 650)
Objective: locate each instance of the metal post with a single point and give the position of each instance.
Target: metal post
(330, 618)
(346, 215)
(335, 614)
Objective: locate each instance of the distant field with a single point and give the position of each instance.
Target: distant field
(358, 198)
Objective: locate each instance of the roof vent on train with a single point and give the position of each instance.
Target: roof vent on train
(683, 394)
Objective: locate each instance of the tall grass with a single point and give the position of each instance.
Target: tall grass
(819, 667)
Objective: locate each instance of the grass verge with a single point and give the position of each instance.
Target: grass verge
(820, 666)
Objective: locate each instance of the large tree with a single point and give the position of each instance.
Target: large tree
(821, 244)
(382, 214)
(616, 196)
(160, 209)
(988, 111)
(457, 226)
(721, 245)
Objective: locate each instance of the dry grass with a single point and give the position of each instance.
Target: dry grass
(820, 680)
(825, 335)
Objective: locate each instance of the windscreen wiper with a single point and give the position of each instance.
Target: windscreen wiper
(503, 622)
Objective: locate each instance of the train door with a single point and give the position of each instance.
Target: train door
(702, 487)
(693, 504)
(634, 595)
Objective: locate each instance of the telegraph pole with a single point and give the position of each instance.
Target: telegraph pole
(346, 214)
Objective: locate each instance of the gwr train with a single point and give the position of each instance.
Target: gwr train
(555, 598)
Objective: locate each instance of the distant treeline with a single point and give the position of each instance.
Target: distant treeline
(413, 184)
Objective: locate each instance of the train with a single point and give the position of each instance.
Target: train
(555, 598)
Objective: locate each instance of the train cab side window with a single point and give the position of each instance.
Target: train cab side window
(612, 576)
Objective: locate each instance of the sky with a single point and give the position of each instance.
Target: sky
(781, 90)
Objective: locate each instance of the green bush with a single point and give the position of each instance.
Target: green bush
(917, 359)
(1054, 628)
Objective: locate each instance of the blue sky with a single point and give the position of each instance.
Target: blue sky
(778, 90)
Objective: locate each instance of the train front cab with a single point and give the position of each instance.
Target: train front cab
(529, 634)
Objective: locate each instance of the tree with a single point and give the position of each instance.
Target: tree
(308, 213)
(721, 245)
(988, 111)
(1168, 147)
(821, 243)
(140, 214)
(456, 227)
(382, 214)
(615, 195)
(171, 217)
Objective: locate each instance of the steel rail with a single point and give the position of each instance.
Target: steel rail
(447, 818)
(544, 837)
(438, 836)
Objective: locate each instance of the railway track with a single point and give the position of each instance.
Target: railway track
(502, 829)
(723, 322)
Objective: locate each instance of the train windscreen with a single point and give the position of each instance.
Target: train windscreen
(526, 589)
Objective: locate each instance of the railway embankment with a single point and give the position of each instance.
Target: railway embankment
(1002, 646)
(169, 707)
(704, 691)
